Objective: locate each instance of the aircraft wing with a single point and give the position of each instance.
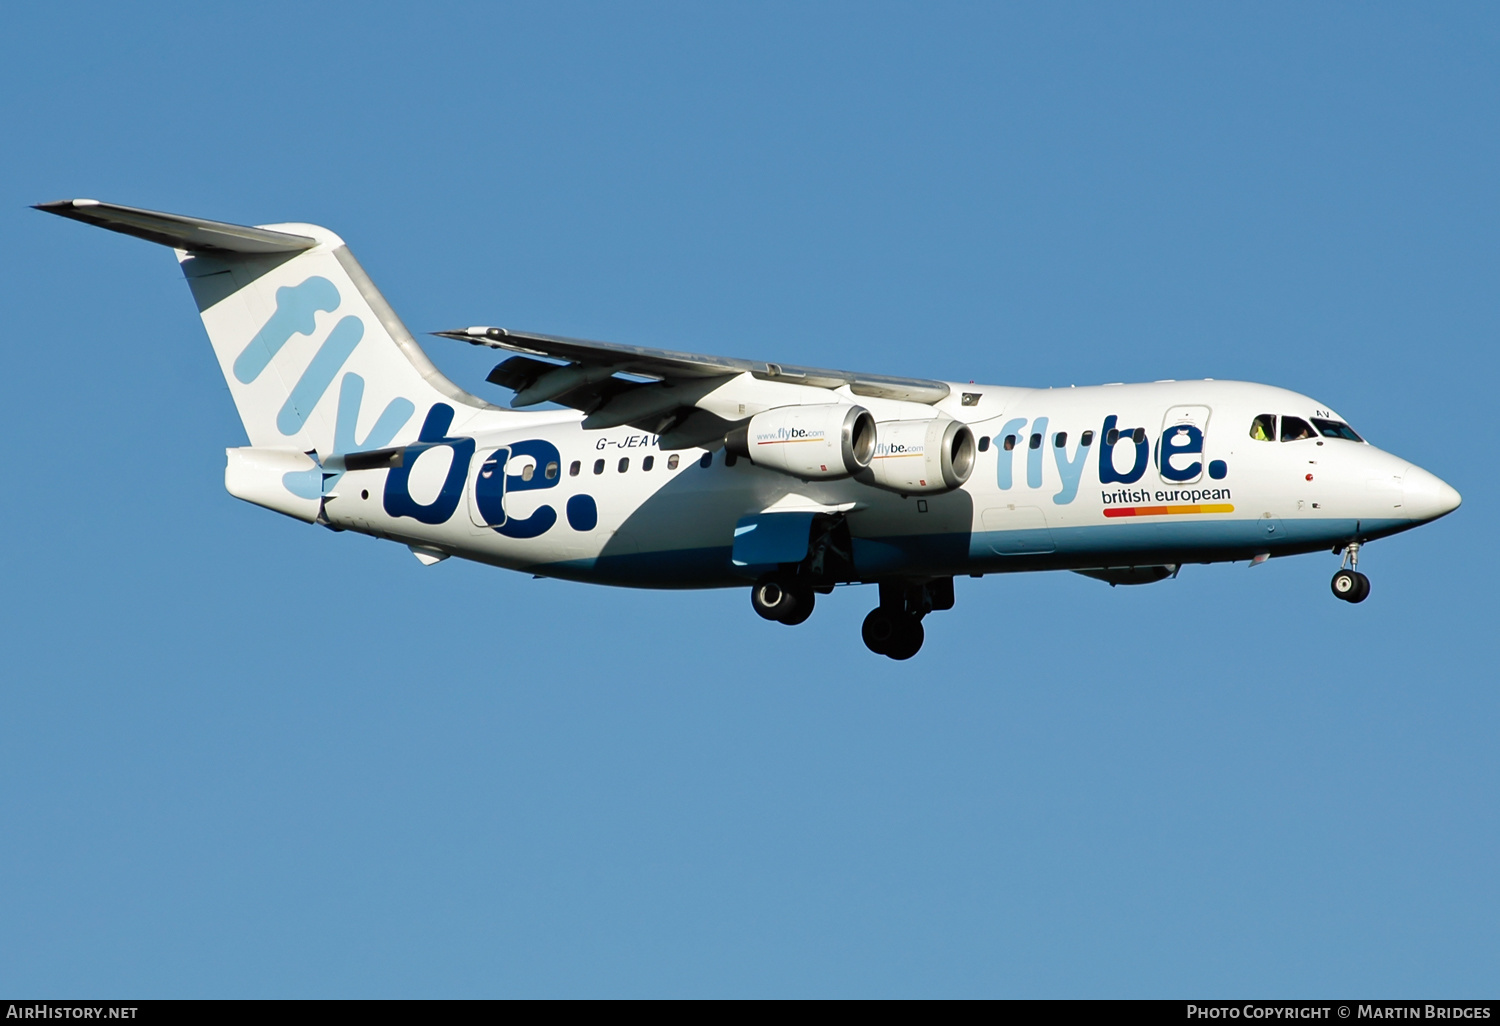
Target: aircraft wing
(588, 378)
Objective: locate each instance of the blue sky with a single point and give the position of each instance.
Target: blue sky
(242, 756)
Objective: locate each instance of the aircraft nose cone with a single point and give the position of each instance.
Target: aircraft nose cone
(1426, 496)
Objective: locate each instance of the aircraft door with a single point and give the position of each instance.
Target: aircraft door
(499, 475)
(1182, 450)
(487, 495)
(1013, 530)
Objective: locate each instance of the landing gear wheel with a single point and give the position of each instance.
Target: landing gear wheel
(897, 635)
(771, 600)
(1351, 585)
(782, 602)
(909, 638)
(802, 607)
(878, 630)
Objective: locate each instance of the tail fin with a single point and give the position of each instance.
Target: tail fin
(314, 357)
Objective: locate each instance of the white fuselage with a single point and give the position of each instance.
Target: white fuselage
(611, 506)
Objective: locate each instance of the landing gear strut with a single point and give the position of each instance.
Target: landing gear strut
(894, 629)
(1349, 584)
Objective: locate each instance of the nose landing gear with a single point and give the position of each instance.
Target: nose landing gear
(1349, 584)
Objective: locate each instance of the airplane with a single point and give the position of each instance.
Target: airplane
(651, 468)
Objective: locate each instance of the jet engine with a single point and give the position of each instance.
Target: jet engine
(814, 442)
(916, 457)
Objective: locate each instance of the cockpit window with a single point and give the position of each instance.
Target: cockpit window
(1295, 429)
(1335, 429)
(1263, 428)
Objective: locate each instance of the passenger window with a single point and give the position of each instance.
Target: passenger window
(1036, 441)
(984, 444)
(598, 466)
(1295, 429)
(672, 462)
(707, 460)
(624, 464)
(574, 468)
(551, 471)
(1138, 436)
(1111, 436)
(528, 472)
(730, 459)
(1263, 428)
(648, 462)
(1335, 429)
(1010, 442)
(1060, 439)
(1088, 438)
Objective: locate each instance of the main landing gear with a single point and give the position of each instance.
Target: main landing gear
(787, 595)
(782, 601)
(1349, 584)
(893, 633)
(894, 628)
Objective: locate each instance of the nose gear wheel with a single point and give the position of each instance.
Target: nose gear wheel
(1349, 584)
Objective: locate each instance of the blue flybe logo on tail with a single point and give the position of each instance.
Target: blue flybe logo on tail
(297, 307)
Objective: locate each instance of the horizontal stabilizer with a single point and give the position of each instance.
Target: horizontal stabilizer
(175, 230)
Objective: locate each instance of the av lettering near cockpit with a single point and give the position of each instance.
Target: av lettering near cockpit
(660, 469)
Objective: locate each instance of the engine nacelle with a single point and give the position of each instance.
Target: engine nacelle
(921, 456)
(813, 442)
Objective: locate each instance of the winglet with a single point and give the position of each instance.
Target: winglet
(177, 231)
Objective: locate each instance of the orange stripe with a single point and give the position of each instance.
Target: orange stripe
(1166, 511)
